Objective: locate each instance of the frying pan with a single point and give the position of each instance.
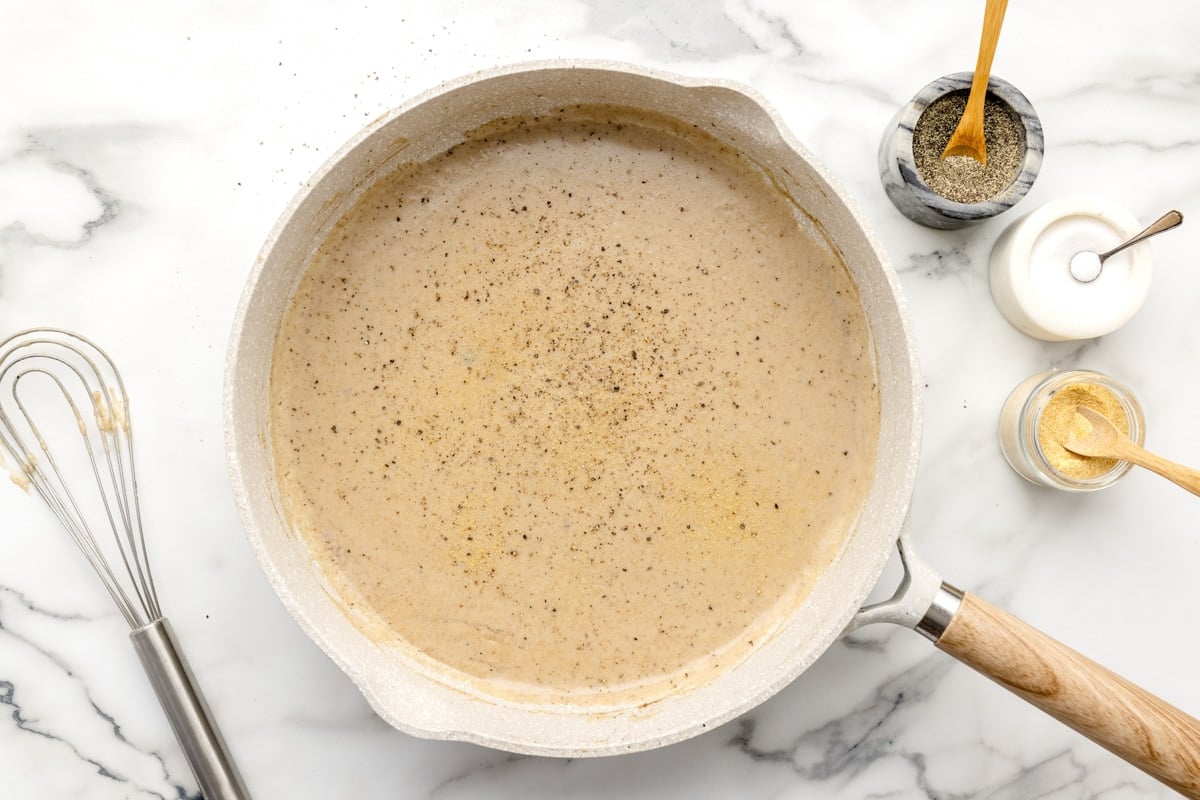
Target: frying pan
(413, 697)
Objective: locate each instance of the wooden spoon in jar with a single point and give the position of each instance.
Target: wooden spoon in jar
(1105, 441)
(967, 139)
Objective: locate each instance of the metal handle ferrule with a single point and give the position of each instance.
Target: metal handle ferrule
(946, 602)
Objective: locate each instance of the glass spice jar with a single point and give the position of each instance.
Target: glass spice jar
(1032, 423)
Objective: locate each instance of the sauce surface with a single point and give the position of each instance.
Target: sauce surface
(577, 410)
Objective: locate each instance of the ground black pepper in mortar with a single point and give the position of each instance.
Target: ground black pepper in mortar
(962, 178)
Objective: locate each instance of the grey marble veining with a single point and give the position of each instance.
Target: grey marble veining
(39, 158)
(67, 722)
(144, 155)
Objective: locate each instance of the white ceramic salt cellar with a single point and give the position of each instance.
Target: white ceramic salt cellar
(1031, 279)
(903, 182)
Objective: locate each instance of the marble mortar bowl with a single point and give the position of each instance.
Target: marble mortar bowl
(909, 192)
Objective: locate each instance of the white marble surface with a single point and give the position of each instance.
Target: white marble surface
(145, 151)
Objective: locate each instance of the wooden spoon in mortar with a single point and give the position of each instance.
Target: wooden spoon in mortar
(967, 139)
(1106, 441)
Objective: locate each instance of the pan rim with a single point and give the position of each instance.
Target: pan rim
(374, 693)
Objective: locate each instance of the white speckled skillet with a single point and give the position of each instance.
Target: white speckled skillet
(1164, 741)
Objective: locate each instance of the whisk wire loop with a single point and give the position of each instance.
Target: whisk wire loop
(51, 485)
(95, 394)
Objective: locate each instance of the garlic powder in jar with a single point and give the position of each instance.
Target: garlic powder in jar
(1039, 415)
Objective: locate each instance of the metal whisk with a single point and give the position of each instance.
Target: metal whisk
(46, 372)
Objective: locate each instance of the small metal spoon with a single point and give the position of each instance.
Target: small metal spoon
(1086, 265)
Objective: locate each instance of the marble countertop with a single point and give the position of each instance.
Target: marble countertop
(145, 152)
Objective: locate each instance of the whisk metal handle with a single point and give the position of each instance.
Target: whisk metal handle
(187, 712)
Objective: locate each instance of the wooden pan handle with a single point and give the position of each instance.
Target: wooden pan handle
(1112, 712)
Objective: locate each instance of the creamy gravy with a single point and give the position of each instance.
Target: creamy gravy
(577, 409)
